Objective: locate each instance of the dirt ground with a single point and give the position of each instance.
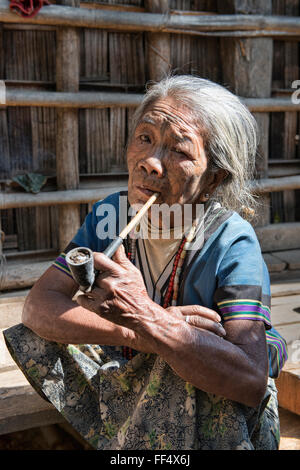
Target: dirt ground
(63, 437)
(54, 437)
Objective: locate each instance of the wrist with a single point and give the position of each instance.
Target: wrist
(160, 328)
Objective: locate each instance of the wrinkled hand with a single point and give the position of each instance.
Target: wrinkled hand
(119, 293)
(200, 317)
(120, 296)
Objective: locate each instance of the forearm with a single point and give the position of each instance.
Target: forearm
(55, 317)
(203, 359)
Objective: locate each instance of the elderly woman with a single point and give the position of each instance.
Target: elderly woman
(188, 353)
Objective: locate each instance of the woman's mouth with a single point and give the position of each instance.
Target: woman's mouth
(147, 191)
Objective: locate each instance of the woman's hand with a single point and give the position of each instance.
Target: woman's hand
(120, 296)
(119, 293)
(200, 317)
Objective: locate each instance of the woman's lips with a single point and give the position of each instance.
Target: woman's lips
(147, 191)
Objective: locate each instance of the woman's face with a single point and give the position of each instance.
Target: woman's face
(166, 155)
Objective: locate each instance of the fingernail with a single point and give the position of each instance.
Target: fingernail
(221, 329)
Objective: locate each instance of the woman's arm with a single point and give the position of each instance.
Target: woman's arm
(235, 368)
(50, 312)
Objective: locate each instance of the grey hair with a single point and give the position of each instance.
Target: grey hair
(229, 130)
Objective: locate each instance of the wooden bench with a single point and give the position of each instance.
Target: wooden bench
(22, 408)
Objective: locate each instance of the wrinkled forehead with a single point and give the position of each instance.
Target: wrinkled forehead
(171, 116)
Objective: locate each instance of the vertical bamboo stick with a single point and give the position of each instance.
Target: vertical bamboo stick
(247, 68)
(67, 168)
(157, 44)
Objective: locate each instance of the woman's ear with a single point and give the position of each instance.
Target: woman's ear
(216, 179)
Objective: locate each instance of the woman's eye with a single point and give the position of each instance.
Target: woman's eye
(144, 138)
(180, 152)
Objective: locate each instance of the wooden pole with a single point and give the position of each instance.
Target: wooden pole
(93, 99)
(158, 44)
(82, 196)
(57, 15)
(67, 144)
(54, 198)
(247, 68)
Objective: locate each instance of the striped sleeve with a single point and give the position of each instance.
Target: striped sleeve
(243, 293)
(277, 351)
(245, 309)
(61, 264)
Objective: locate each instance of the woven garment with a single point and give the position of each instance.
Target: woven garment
(139, 404)
(121, 404)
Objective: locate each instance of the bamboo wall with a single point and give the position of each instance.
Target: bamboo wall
(117, 61)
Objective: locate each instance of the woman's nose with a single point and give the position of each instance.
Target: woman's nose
(152, 166)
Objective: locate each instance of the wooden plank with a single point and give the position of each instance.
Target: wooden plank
(285, 288)
(10, 314)
(286, 311)
(44, 198)
(289, 430)
(10, 200)
(276, 237)
(247, 68)
(291, 73)
(11, 311)
(6, 361)
(16, 97)
(288, 386)
(20, 276)
(273, 263)
(244, 25)
(4, 145)
(67, 166)
(21, 407)
(291, 258)
(158, 52)
(285, 276)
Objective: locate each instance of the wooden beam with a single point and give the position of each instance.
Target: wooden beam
(270, 185)
(288, 386)
(278, 237)
(67, 142)
(56, 15)
(158, 48)
(247, 68)
(21, 407)
(20, 275)
(53, 198)
(82, 196)
(81, 99)
(94, 99)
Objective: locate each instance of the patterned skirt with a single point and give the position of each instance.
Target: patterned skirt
(138, 404)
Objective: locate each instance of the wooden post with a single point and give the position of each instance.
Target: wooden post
(247, 68)
(290, 119)
(157, 44)
(67, 168)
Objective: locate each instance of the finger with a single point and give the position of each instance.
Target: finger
(97, 294)
(201, 311)
(120, 257)
(104, 264)
(205, 324)
(84, 301)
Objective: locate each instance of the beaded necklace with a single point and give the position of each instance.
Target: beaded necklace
(171, 295)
